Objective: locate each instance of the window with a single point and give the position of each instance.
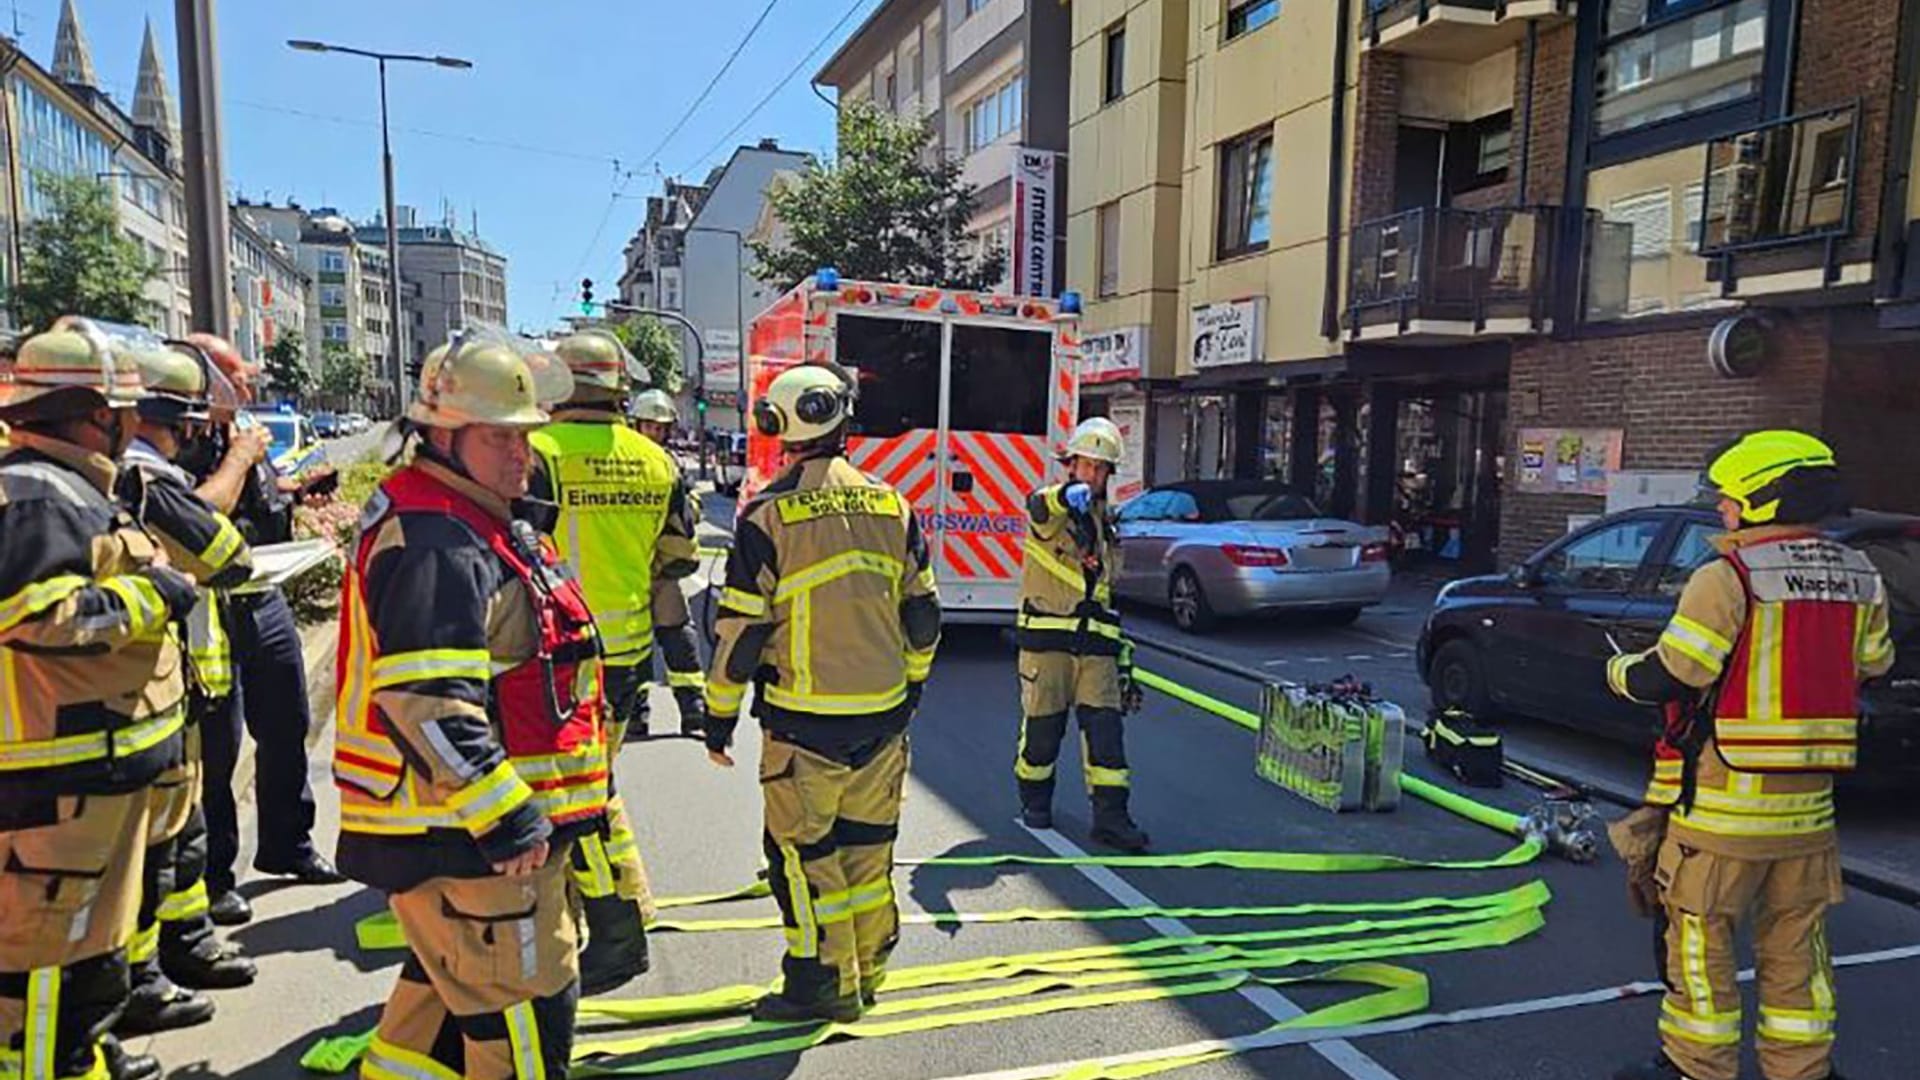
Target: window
(1650, 216)
(893, 91)
(1644, 258)
(1181, 506)
(975, 7)
(333, 262)
(333, 296)
(897, 363)
(1496, 149)
(916, 75)
(1478, 152)
(1000, 379)
(1603, 561)
(1246, 193)
(334, 331)
(1149, 507)
(1107, 221)
(994, 115)
(1246, 16)
(1115, 86)
(1690, 552)
(1661, 63)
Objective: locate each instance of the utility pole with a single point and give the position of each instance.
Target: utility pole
(206, 190)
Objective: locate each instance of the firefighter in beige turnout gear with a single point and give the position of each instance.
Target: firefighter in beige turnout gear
(1072, 654)
(174, 950)
(87, 617)
(1759, 670)
(676, 641)
(623, 525)
(829, 612)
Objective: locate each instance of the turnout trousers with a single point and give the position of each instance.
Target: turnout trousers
(1052, 684)
(488, 991)
(830, 829)
(171, 919)
(608, 877)
(1707, 897)
(69, 883)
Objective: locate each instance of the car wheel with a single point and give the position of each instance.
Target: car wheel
(1191, 611)
(1456, 679)
(1340, 616)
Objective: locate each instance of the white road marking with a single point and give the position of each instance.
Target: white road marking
(1379, 639)
(1339, 1053)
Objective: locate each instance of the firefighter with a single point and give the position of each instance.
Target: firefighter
(673, 631)
(1760, 669)
(617, 492)
(469, 755)
(1072, 655)
(829, 611)
(87, 609)
(174, 950)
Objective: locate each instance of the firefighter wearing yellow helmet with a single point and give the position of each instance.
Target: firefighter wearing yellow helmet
(623, 524)
(87, 611)
(1072, 655)
(1759, 671)
(174, 951)
(829, 611)
(678, 645)
(470, 755)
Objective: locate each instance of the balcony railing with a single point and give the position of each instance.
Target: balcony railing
(1784, 182)
(1447, 274)
(1459, 30)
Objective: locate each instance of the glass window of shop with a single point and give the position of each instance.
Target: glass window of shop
(1664, 59)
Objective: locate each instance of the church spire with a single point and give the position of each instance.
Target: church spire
(72, 60)
(152, 99)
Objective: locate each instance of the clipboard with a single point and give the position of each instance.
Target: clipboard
(276, 564)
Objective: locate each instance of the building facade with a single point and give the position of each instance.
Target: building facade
(453, 280)
(270, 289)
(651, 277)
(348, 295)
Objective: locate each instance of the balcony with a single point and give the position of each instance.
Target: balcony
(1457, 30)
(1438, 275)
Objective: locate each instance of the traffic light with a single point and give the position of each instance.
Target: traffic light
(700, 401)
(586, 296)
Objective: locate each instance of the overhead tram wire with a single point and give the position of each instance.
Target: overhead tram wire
(792, 73)
(472, 140)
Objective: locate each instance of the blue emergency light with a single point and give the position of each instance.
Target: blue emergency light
(1069, 303)
(826, 279)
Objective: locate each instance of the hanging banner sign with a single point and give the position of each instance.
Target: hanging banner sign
(1036, 214)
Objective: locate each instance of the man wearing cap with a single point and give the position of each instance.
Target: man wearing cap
(470, 754)
(92, 703)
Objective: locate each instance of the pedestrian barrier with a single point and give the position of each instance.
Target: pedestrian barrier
(1093, 976)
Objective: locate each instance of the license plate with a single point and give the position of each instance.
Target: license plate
(1324, 557)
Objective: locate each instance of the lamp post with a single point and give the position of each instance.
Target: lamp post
(396, 363)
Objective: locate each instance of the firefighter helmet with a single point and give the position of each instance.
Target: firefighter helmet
(1097, 439)
(481, 380)
(655, 407)
(804, 403)
(601, 366)
(223, 355)
(76, 354)
(1749, 469)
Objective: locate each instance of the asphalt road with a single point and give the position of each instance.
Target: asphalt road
(1195, 791)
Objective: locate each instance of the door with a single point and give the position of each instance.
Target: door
(1580, 593)
(993, 403)
(1143, 543)
(1419, 159)
(895, 431)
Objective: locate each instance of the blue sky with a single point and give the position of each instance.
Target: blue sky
(575, 84)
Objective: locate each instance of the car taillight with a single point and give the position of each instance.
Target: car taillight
(1250, 555)
(1373, 553)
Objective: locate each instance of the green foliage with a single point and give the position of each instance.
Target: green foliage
(656, 347)
(343, 375)
(889, 209)
(286, 369)
(75, 261)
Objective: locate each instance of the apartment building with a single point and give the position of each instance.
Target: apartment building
(993, 76)
(651, 277)
(454, 280)
(269, 288)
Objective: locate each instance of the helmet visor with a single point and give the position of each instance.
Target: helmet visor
(114, 345)
(220, 398)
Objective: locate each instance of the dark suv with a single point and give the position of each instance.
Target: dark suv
(1535, 641)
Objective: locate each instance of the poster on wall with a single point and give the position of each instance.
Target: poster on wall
(1129, 414)
(1227, 333)
(1035, 221)
(1568, 461)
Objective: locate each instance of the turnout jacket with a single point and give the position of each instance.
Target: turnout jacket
(1066, 580)
(828, 610)
(92, 692)
(1776, 634)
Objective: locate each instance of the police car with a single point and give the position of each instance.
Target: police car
(294, 445)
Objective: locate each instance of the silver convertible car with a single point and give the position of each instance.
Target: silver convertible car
(1212, 548)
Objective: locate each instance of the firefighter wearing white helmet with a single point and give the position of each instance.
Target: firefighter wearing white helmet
(1072, 655)
(676, 642)
(470, 754)
(86, 617)
(1759, 671)
(623, 523)
(829, 610)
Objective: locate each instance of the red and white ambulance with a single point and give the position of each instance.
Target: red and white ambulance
(963, 400)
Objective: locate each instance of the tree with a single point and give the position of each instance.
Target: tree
(888, 209)
(655, 346)
(74, 260)
(343, 375)
(286, 369)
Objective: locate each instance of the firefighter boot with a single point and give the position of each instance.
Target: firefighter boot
(1111, 825)
(1660, 1068)
(209, 965)
(616, 948)
(1036, 803)
(781, 1009)
(157, 1005)
(122, 1065)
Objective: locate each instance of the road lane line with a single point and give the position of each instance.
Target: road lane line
(1267, 1040)
(1378, 639)
(1339, 1053)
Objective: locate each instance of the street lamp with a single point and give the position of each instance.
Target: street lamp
(396, 363)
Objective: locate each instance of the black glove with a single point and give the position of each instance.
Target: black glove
(719, 732)
(176, 589)
(1132, 697)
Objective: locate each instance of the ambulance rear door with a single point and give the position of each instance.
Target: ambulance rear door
(895, 436)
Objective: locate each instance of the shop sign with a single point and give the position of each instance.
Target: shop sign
(1129, 414)
(1113, 355)
(1568, 461)
(1228, 333)
(1035, 221)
